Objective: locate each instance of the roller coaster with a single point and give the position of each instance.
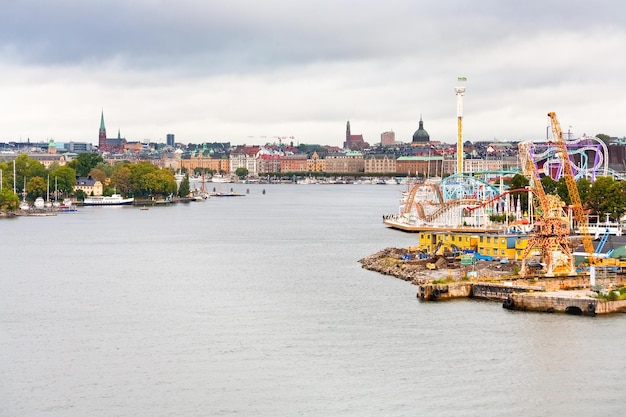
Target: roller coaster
(470, 199)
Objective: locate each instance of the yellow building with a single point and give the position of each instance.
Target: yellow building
(214, 164)
(509, 246)
(315, 164)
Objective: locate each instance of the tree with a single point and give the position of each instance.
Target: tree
(604, 138)
(549, 185)
(120, 179)
(36, 187)
(519, 182)
(98, 174)
(25, 168)
(607, 196)
(8, 199)
(85, 162)
(106, 168)
(63, 179)
(241, 173)
(183, 188)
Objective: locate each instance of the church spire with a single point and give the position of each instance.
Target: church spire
(102, 135)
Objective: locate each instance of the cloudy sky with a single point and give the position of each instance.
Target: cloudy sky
(247, 71)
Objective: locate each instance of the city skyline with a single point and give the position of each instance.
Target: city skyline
(245, 72)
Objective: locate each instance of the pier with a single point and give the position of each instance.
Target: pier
(548, 295)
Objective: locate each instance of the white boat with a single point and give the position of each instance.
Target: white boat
(220, 178)
(39, 203)
(66, 206)
(113, 200)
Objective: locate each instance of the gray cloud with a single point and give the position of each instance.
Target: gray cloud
(229, 67)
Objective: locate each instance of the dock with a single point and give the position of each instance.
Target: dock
(549, 295)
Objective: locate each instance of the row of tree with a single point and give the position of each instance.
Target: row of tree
(604, 196)
(31, 179)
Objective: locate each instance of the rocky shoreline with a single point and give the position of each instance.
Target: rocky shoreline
(391, 261)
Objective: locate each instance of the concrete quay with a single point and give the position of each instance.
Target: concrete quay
(546, 295)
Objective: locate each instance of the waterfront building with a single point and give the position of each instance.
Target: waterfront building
(190, 163)
(89, 186)
(422, 165)
(316, 164)
(494, 246)
(269, 163)
(244, 157)
(294, 163)
(379, 164)
(345, 162)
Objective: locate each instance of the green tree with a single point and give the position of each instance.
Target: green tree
(142, 178)
(520, 182)
(583, 185)
(241, 173)
(607, 196)
(98, 174)
(604, 138)
(8, 199)
(36, 187)
(549, 185)
(85, 162)
(106, 168)
(120, 180)
(183, 188)
(63, 180)
(25, 168)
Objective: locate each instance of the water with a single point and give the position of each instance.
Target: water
(257, 306)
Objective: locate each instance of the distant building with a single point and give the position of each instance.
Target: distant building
(379, 164)
(424, 166)
(89, 186)
(354, 142)
(345, 163)
(109, 145)
(294, 163)
(47, 160)
(421, 135)
(316, 164)
(387, 138)
(170, 140)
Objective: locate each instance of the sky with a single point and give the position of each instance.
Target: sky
(251, 72)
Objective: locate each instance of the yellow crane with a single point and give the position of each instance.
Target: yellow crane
(572, 188)
(551, 230)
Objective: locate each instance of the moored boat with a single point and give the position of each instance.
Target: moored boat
(113, 200)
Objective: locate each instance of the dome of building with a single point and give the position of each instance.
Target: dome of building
(420, 134)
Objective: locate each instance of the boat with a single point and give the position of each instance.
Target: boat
(226, 194)
(113, 200)
(220, 178)
(66, 206)
(39, 203)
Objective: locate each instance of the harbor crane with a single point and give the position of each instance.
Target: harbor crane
(552, 229)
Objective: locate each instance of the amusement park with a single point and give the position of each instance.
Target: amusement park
(548, 241)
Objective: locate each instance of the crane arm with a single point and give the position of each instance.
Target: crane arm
(572, 188)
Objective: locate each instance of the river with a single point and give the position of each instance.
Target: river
(257, 306)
